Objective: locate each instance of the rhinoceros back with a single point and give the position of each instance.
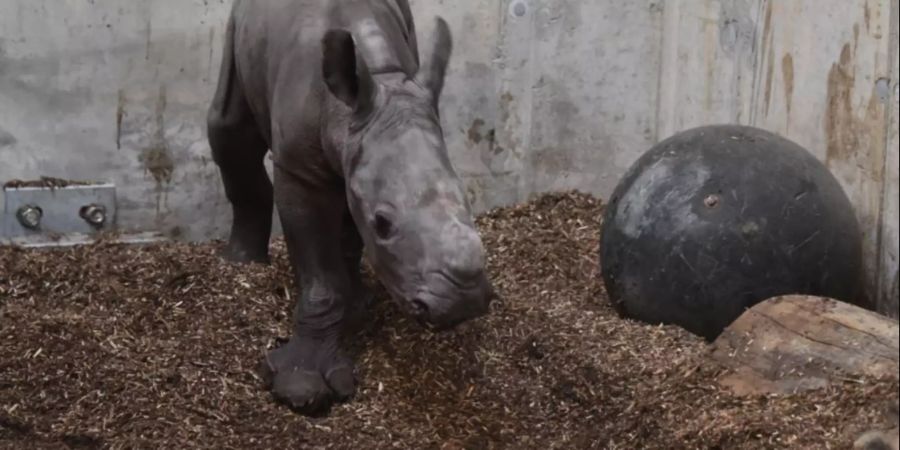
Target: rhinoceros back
(277, 50)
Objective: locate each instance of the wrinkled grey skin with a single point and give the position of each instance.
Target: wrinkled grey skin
(335, 90)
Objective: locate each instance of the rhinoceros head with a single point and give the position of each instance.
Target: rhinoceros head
(404, 194)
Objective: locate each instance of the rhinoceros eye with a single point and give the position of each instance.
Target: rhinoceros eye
(384, 227)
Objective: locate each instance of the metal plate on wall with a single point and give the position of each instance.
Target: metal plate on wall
(43, 214)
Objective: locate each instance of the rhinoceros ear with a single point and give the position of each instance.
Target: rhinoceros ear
(346, 74)
(434, 66)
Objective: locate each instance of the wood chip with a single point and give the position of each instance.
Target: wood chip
(157, 346)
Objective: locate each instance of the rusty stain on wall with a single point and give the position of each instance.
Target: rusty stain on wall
(158, 162)
(852, 137)
(157, 158)
(840, 119)
(767, 26)
(868, 16)
(855, 144)
(474, 133)
(770, 78)
(120, 117)
(787, 72)
(149, 35)
(506, 105)
(510, 122)
(478, 135)
(769, 51)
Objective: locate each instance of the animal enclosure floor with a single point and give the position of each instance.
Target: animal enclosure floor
(111, 346)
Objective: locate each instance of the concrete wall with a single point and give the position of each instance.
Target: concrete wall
(116, 91)
(542, 95)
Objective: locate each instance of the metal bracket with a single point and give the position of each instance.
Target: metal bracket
(43, 215)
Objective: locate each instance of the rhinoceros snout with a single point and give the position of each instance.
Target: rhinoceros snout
(449, 303)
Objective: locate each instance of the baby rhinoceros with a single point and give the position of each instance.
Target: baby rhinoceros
(336, 91)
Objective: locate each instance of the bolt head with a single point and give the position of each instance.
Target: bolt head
(94, 215)
(519, 9)
(30, 216)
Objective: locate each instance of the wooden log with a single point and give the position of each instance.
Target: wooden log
(795, 343)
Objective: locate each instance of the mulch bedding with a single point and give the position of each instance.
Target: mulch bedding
(111, 346)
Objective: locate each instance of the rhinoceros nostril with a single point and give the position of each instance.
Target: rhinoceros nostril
(420, 309)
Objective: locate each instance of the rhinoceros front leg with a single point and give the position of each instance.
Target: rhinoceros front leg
(310, 372)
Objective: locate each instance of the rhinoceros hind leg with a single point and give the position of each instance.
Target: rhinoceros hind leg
(239, 149)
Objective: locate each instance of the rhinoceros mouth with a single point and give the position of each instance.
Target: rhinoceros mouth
(438, 301)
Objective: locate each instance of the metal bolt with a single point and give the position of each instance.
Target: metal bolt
(94, 215)
(519, 9)
(30, 216)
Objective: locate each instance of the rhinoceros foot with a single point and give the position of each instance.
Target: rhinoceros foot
(249, 240)
(308, 376)
(241, 254)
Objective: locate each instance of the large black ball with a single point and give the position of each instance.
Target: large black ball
(717, 219)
